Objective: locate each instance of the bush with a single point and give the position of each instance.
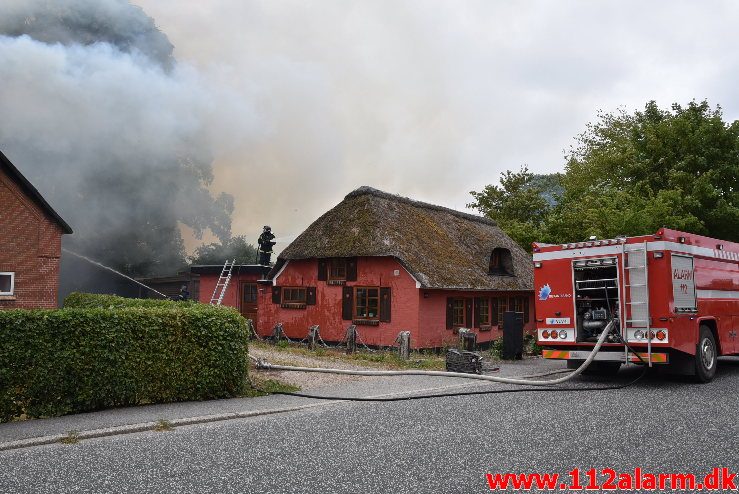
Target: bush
(530, 346)
(496, 348)
(81, 359)
(95, 300)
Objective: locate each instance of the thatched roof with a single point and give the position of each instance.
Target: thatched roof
(440, 247)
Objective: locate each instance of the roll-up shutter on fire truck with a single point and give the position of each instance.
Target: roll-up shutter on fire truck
(683, 283)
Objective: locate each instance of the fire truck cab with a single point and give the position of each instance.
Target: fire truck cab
(673, 297)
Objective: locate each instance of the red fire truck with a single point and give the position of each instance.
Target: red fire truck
(673, 297)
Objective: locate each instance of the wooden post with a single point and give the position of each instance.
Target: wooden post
(404, 345)
(277, 333)
(312, 332)
(351, 339)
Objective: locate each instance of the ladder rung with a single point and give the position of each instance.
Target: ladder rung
(636, 320)
(634, 267)
(637, 284)
(636, 303)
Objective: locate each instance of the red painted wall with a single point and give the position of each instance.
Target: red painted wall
(372, 272)
(425, 318)
(432, 317)
(31, 248)
(231, 298)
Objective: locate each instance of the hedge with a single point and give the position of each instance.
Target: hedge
(79, 300)
(55, 362)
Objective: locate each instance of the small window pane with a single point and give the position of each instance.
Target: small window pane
(293, 295)
(502, 307)
(367, 303)
(484, 311)
(250, 293)
(6, 283)
(337, 269)
(458, 312)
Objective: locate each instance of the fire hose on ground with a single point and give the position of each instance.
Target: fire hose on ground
(540, 385)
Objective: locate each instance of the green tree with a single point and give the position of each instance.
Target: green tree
(519, 204)
(634, 173)
(629, 174)
(217, 253)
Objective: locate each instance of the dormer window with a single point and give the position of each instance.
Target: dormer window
(501, 262)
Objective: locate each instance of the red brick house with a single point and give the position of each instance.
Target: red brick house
(30, 243)
(241, 292)
(389, 264)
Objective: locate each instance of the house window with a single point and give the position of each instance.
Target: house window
(501, 262)
(517, 304)
(458, 312)
(502, 307)
(513, 304)
(367, 303)
(483, 312)
(520, 304)
(293, 295)
(249, 293)
(7, 283)
(337, 269)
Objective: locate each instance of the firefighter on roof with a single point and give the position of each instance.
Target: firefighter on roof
(266, 242)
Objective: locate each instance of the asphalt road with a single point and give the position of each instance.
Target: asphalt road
(438, 445)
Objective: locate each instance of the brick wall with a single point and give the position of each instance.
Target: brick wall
(30, 246)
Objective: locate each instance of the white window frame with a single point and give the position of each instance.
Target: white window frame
(12, 283)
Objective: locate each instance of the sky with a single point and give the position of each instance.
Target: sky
(433, 99)
(302, 102)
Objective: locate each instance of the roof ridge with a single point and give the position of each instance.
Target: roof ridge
(367, 190)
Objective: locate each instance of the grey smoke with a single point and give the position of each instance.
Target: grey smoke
(119, 137)
(117, 23)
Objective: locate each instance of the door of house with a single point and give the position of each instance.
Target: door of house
(248, 301)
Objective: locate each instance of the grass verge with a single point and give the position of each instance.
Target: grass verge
(385, 359)
(262, 387)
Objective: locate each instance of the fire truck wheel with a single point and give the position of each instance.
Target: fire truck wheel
(705, 356)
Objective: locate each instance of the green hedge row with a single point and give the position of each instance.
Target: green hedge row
(90, 300)
(54, 362)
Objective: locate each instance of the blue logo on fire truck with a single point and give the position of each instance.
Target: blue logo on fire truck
(544, 292)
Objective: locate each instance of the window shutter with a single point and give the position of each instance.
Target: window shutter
(322, 270)
(351, 269)
(276, 294)
(385, 302)
(310, 295)
(449, 312)
(526, 309)
(468, 312)
(478, 304)
(494, 311)
(347, 303)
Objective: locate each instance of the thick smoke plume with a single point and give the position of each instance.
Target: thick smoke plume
(100, 117)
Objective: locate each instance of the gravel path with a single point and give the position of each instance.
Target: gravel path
(306, 380)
